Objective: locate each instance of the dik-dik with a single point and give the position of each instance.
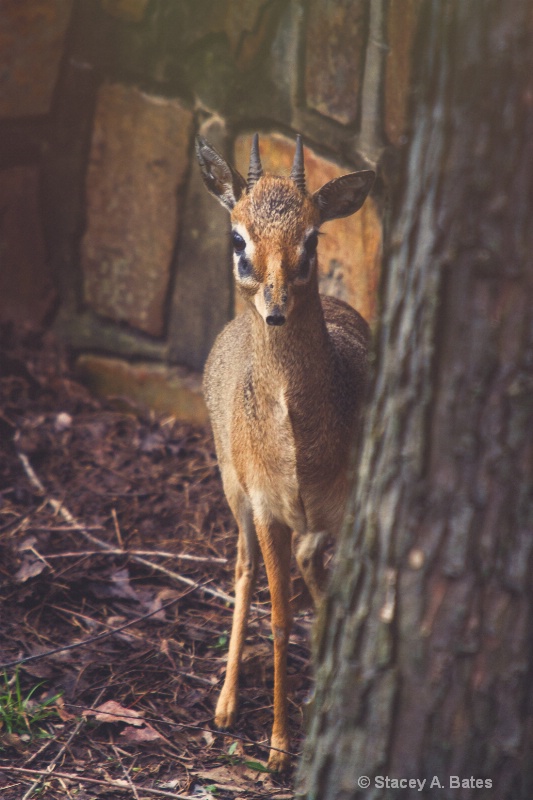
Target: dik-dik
(284, 385)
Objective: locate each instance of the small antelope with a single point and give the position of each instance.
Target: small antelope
(284, 384)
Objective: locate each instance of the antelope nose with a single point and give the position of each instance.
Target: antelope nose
(275, 319)
(276, 304)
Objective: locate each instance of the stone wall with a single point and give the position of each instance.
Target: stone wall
(106, 230)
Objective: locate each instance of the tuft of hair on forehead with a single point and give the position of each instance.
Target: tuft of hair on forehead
(275, 202)
(276, 196)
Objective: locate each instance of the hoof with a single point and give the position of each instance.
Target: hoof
(279, 761)
(226, 712)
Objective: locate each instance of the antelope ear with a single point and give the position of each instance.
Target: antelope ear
(220, 178)
(343, 196)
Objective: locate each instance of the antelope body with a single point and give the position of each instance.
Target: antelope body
(284, 384)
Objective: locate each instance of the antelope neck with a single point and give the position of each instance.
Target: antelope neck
(297, 353)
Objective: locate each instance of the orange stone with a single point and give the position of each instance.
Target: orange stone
(138, 162)
(168, 390)
(349, 252)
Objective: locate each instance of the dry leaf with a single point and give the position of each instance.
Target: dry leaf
(30, 568)
(144, 734)
(207, 737)
(62, 712)
(27, 544)
(174, 784)
(116, 586)
(13, 740)
(111, 711)
(222, 777)
(154, 604)
(121, 585)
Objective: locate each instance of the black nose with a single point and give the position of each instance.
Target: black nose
(275, 319)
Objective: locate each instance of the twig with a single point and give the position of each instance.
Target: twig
(60, 509)
(56, 758)
(47, 744)
(119, 552)
(116, 784)
(54, 761)
(189, 726)
(178, 671)
(117, 528)
(64, 528)
(92, 639)
(226, 598)
(40, 557)
(126, 773)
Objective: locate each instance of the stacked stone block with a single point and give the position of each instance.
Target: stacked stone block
(115, 237)
(137, 166)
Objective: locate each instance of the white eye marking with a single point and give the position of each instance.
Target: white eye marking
(243, 259)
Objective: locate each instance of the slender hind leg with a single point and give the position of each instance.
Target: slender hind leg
(245, 574)
(309, 552)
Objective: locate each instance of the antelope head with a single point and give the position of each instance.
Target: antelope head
(275, 225)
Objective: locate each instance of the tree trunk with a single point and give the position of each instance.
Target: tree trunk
(424, 655)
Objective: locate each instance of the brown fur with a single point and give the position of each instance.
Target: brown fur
(284, 402)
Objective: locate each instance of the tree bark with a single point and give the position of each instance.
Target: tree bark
(424, 662)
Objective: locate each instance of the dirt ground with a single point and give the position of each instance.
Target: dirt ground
(116, 559)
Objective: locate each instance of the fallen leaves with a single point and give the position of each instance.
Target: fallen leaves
(138, 729)
(111, 711)
(31, 564)
(91, 546)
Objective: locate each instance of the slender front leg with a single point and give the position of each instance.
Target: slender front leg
(245, 574)
(275, 542)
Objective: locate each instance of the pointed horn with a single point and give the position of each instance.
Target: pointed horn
(298, 170)
(255, 169)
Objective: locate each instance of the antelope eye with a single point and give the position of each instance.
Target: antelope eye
(239, 245)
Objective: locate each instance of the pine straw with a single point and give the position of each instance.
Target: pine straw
(116, 566)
